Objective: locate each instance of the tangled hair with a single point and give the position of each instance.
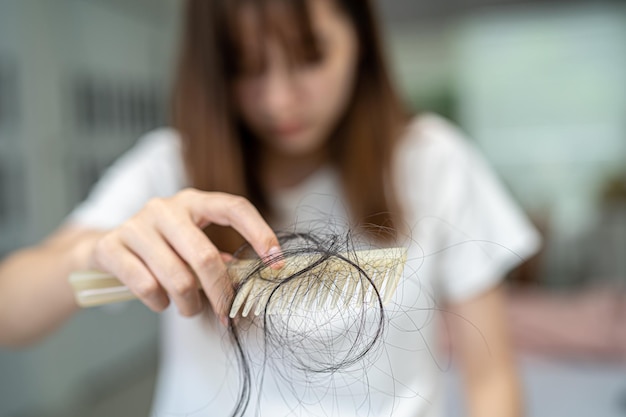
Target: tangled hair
(317, 344)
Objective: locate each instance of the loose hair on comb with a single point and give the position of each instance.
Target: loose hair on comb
(332, 345)
(317, 344)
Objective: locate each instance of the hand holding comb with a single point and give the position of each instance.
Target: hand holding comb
(306, 281)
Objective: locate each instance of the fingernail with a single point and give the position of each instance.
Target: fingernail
(273, 257)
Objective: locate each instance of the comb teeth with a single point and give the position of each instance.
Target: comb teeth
(331, 284)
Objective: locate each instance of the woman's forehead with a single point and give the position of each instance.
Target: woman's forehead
(292, 24)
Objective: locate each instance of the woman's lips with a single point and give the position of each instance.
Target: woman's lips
(288, 129)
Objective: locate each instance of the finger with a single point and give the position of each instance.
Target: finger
(135, 275)
(168, 268)
(226, 257)
(201, 255)
(238, 213)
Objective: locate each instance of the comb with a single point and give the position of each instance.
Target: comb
(307, 282)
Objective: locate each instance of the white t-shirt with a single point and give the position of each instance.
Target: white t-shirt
(465, 233)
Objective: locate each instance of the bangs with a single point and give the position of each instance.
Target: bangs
(248, 25)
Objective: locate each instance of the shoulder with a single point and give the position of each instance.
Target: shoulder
(163, 142)
(431, 159)
(158, 157)
(433, 138)
(454, 200)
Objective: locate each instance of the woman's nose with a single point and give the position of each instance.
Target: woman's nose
(279, 92)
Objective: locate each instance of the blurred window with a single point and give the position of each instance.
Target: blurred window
(8, 93)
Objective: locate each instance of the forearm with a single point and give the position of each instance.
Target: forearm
(496, 394)
(487, 360)
(35, 296)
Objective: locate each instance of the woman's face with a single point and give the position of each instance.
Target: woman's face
(294, 108)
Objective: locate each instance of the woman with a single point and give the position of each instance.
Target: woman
(278, 101)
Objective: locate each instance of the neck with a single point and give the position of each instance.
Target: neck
(280, 171)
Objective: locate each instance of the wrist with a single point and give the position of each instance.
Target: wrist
(82, 251)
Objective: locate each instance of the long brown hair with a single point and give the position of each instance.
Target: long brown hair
(220, 151)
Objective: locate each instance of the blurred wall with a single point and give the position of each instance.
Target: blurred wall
(76, 70)
(79, 82)
(541, 90)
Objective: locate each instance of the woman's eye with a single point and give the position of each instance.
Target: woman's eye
(315, 57)
(250, 71)
(315, 61)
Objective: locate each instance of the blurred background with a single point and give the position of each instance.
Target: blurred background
(539, 85)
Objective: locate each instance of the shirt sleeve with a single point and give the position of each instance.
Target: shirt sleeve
(470, 229)
(152, 168)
